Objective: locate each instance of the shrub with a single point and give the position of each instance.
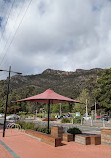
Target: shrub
(42, 129)
(74, 131)
(40, 115)
(65, 120)
(22, 124)
(77, 120)
(32, 126)
(53, 114)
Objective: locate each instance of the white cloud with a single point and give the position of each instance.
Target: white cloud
(59, 34)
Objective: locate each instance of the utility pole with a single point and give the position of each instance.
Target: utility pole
(8, 86)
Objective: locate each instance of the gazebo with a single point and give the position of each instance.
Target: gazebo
(49, 97)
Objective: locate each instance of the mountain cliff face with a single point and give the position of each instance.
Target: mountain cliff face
(51, 71)
(78, 71)
(66, 83)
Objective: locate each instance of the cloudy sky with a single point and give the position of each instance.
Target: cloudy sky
(57, 34)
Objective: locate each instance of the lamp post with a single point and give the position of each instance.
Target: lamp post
(8, 86)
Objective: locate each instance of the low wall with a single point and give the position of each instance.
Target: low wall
(106, 136)
(67, 137)
(46, 138)
(82, 139)
(95, 139)
(56, 131)
(88, 139)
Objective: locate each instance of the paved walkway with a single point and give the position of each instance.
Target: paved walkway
(4, 153)
(27, 147)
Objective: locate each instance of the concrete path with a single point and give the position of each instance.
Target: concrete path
(28, 147)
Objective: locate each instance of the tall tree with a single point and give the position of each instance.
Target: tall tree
(82, 97)
(103, 93)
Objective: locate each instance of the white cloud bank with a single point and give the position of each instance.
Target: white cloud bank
(58, 34)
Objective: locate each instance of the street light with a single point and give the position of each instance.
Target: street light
(7, 97)
(19, 73)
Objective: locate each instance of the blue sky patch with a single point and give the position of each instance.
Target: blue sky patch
(1, 21)
(96, 8)
(42, 7)
(7, 0)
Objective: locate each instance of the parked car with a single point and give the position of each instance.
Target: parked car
(69, 115)
(63, 116)
(57, 116)
(13, 117)
(1, 115)
(98, 117)
(86, 118)
(105, 117)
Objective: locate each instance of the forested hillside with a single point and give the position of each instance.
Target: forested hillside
(70, 84)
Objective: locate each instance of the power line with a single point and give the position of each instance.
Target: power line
(11, 32)
(7, 20)
(16, 31)
(4, 61)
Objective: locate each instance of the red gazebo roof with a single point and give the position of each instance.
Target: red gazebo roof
(49, 95)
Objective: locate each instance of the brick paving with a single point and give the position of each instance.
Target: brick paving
(4, 153)
(27, 147)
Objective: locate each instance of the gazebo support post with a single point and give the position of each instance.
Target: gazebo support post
(48, 115)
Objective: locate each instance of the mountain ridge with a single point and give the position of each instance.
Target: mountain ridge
(47, 71)
(61, 81)
(69, 84)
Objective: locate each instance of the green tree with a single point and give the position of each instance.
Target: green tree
(82, 98)
(66, 107)
(103, 93)
(55, 108)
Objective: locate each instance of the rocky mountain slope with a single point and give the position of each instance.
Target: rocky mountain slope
(66, 83)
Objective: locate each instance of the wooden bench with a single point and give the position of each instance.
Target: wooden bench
(88, 139)
(67, 137)
(46, 138)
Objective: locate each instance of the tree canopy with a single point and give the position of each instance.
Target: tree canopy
(103, 93)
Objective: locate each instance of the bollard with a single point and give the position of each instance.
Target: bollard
(81, 121)
(103, 123)
(72, 121)
(91, 122)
